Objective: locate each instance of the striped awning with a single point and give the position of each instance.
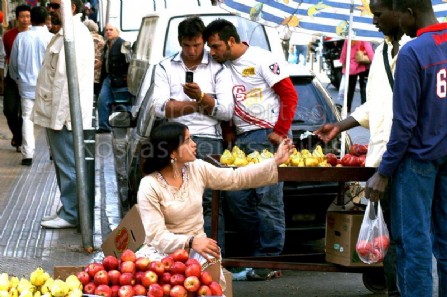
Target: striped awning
(326, 17)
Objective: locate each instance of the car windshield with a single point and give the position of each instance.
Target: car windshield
(250, 32)
(313, 109)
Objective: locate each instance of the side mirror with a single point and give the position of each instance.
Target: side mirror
(120, 119)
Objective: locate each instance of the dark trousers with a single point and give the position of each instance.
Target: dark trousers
(362, 77)
(12, 109)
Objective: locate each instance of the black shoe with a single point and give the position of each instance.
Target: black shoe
(260, 274)
(102, 131)
(27, 161)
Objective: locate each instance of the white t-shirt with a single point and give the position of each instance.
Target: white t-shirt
(256, 105)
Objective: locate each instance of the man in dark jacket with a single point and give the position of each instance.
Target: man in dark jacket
(113, 76)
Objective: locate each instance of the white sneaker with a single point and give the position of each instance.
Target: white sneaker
(50, 217)
(57, 223)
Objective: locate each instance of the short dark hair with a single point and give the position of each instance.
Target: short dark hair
(225, 29)
(21, 8)
(387, 3)
(165, 139)
(39, 15)
(190, 27)
(419, 5)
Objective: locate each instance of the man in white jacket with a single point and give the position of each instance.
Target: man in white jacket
(26, 60)
(52, 110)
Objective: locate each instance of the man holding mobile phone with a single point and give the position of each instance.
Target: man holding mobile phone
(193, 89)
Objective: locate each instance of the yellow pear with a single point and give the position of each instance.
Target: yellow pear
(226, 158)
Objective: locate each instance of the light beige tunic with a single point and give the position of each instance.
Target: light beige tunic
(171, 215)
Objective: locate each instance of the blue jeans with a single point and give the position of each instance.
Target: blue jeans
(205, 147)
(419, 224)
(107, 96)
(301, 50)
(62, 152)
(259, 213)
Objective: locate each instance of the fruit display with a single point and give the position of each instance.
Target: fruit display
(39, 284)
(304, 158)
(176, 275)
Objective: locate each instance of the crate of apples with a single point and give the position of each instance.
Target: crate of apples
(176, 275)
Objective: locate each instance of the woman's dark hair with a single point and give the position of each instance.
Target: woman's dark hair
(190, 27)
(225, 29)
(165, 139)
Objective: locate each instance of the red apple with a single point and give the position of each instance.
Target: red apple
(191, 261)
(177, 279)
(191, 283)
(139, 290)
(331, 159)
(165, 278)
(178, 268)
(103, 290)
(178, 291)
(205, 278)
(115, 289)
(101, 278)
(126, 278)
(126, 291)
(142, 263)
(94, 267)
(149, 278)
(138, 275)
(155, 290)
(180, 255)
(128, 266)
(166, 289)
(128, 255)
(83, 277)
(114, 277)
(157, 267)
(193, 270)
(204, 290)
(216, 289)
(89, 288)
(167, 263)
(110, 263)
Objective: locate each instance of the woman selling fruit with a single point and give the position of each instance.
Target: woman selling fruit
(170, 195)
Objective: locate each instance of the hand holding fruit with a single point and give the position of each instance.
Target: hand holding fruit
(284, 151)
(206, 247)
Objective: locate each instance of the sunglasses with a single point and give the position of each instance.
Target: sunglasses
(54, 5)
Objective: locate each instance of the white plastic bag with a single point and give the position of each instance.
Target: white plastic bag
(374, 239)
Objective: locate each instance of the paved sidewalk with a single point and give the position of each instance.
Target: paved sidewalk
(28, 193)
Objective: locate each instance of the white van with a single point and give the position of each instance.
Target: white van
(127, 14)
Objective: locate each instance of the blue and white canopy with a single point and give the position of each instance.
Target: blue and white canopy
(327, 17)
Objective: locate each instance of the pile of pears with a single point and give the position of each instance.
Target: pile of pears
(39, 284)
(304, 158)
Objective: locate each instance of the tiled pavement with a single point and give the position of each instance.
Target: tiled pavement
(28, 193)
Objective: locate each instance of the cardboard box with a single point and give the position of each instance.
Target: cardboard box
(61, 272)
(229, 283)
(129, 234)
(342, 232)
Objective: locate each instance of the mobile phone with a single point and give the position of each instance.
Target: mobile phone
(189, 78)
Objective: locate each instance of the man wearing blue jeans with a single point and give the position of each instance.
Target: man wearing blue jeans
(264, 106)
(416, 155)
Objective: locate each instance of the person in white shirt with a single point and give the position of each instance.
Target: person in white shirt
(26, 60)
(376, 113)
(52, 110)
(201, 104)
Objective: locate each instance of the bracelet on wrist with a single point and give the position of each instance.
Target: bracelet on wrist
(190, 242)
(202, 94)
